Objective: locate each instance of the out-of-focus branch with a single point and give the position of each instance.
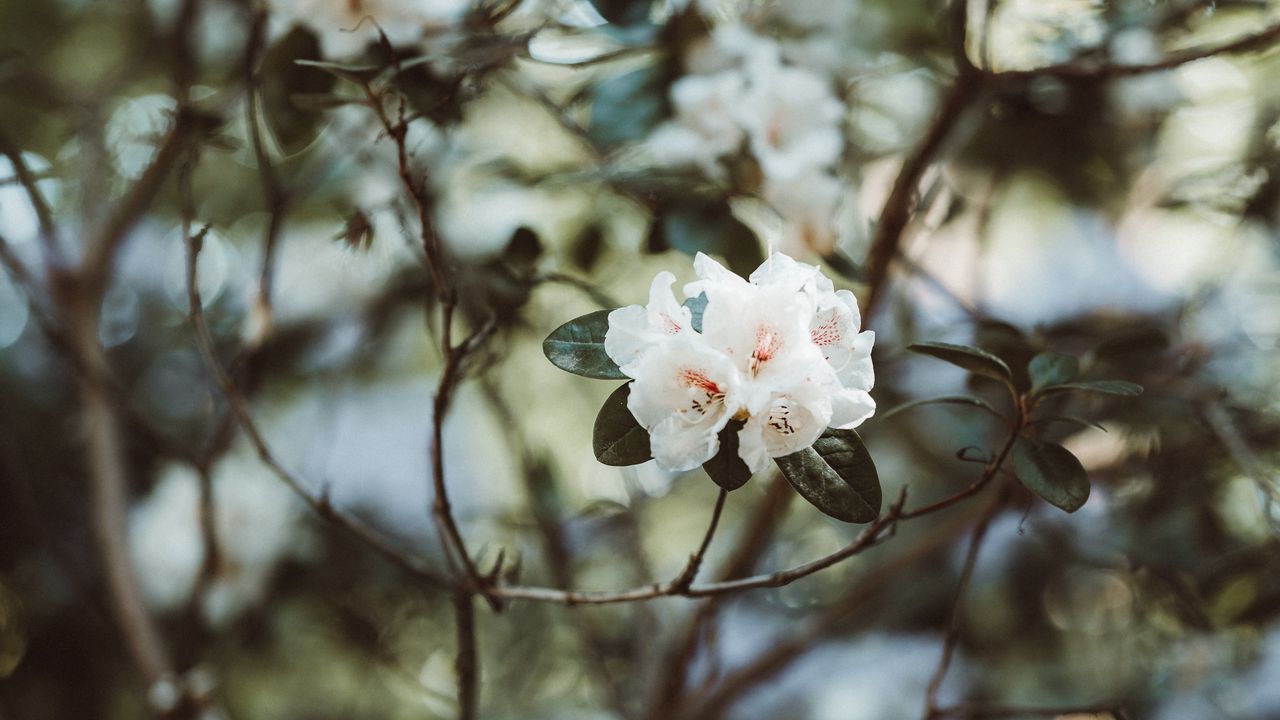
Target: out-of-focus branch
(1261, 40)
(100, 254)
(108, 494)
(765, 519)
(466, 664)
(844, 611)
(44, 214)
(894, 217)
(275, 195)
(244, 417)
(952, 637)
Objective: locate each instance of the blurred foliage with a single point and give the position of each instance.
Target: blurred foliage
(1128, 223)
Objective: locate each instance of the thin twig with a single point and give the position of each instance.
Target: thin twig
(749, 547)
(685, 579)
(244, 417)
(952, 637)
(44, 214)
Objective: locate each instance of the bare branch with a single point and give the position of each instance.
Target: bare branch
(244, 417)
(953, 627)
(1259, 41)
(466, 664)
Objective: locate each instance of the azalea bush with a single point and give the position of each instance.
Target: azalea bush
(609, 359)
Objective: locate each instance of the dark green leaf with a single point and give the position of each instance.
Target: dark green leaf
(837, 476)
(975, 360)
(709, 226)
(626, 107)
(1050, 368)
(1071, 420)
(1051, 472)
(623, 12)
(285, 75)
(617, 438)
(358, 74)
(727, 469)
(945, 400)
(697, 306)
(1106, 387)
(578, 347)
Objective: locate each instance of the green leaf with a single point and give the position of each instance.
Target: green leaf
(1070, 419)
(1050, 368)
(359, 74)
(617, 438)
(285, 74)
(708, 225)
(1051, 472)
(1106, 387)
(837, 476)
(975, 360)
(697, 306)
(727, 468)
(626, 107)
(945, 400)
(578, 347)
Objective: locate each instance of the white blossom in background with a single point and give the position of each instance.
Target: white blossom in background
(780, 352)
(345, 27)
(705, 128)
(740, 93)
(258, 524)
(792, 118)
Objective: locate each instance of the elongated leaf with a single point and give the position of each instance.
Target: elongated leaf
(1106, 387)
(944, 400)
(284, 75)
(578, 347)
(1071, 419)
(727, 469)
(617, 438)
(837, 476)
(1051, 472)
(975, 360)
(1050, 368)
(697, 306)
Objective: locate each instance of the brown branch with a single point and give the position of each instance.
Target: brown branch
(850, 608)
(466, 662)
(1255, 42)
(102, 251)
(895, 215)
(685, 579)
(244, 418)
(44, 215)
(108, 481)
(749, 547)
(275, 196)
(952, 636)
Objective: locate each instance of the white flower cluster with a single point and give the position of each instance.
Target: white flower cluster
(781, 353)
(740, 91)
(345, 27)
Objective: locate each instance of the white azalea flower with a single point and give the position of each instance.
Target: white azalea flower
(807, 206)
(704, 128)
(792, 118)
(834, 324)
(684, 394)
(779, 353)
(635, 329)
